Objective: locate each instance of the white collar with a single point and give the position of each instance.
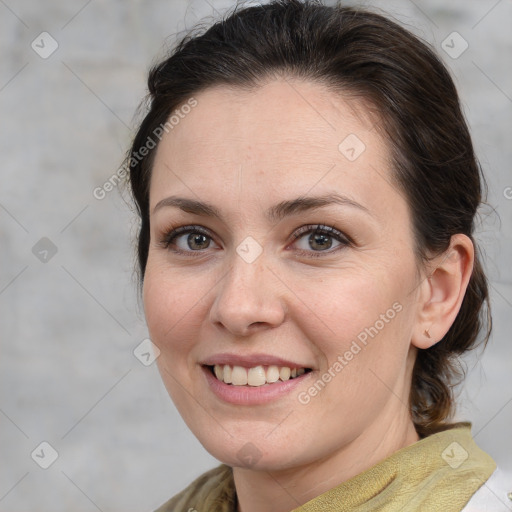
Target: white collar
(495, 495)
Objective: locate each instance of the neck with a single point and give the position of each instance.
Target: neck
(285, 490)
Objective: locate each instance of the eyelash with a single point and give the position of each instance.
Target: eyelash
(345, 241)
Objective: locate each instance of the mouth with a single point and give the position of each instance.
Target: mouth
(256, 376)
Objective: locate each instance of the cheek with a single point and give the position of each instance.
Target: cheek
(362, 318)
(170, 305)
(344, 304)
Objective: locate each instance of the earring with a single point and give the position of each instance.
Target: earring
(426, 333)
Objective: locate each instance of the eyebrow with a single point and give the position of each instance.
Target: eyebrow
(274, 214)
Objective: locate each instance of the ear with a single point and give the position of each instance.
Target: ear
(442, 291)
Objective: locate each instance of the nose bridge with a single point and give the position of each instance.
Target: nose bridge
(248, 294)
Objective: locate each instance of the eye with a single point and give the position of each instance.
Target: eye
(197, 239)
(320, 240)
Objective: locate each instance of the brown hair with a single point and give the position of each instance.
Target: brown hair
(359, 52)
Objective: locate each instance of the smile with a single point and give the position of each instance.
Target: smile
(255, 376)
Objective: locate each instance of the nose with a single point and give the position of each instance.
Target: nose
(249, 298)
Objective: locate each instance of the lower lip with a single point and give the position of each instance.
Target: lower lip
(252, 395)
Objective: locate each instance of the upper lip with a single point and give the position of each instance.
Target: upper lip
(250, 361)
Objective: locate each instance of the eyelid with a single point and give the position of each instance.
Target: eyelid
(321, 228)
(344, 240)
(171, 233)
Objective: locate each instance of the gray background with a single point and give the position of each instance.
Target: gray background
(69, 325)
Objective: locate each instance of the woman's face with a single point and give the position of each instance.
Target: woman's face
(251, 288)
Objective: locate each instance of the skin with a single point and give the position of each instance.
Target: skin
(243, 152)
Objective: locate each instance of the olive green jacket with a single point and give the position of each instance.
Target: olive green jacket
(441, 472)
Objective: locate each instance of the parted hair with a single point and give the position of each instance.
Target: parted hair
(357, 52)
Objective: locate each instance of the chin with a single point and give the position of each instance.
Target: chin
(248, 451)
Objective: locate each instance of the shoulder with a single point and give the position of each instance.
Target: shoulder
(213, 491)
(493, 495)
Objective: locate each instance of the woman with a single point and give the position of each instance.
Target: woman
(307, 189)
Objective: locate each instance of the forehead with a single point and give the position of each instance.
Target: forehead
(286, 134)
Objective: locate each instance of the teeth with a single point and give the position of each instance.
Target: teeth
(272, 374)
(284, 373)
(219, 372)
(227, 374)
(256, 376)
(239, 376)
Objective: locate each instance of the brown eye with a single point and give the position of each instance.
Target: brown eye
(320, 239)
(197, 241)
(186, 239)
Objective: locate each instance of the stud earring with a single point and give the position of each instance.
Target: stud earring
(426, 333)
